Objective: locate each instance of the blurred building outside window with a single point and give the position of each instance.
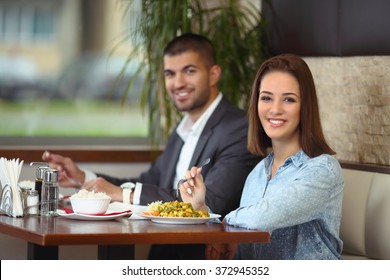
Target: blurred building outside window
(58, 63)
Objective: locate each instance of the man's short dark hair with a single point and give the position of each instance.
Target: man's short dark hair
(192, 42)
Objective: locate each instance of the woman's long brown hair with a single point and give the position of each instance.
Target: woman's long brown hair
(312, 138)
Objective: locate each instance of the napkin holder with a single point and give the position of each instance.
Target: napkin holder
(6, 201)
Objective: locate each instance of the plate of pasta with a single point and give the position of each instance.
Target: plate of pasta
(175, 212)
(178, 220)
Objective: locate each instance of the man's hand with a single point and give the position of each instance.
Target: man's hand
(102, 185)
(66, 168)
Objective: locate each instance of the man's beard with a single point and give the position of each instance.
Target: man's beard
(196, 104)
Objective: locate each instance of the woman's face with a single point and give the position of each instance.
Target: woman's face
(279, 106)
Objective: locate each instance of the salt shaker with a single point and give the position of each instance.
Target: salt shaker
(24, 192)
(32, 201)
(49, 197)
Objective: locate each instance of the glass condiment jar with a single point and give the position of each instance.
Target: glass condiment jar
(39, 176)
(32, 201)
(49, 197)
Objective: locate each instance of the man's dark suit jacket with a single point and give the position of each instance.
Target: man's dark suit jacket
(224, 141)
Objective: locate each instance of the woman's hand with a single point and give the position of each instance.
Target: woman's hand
(194, 190)
(221, 251)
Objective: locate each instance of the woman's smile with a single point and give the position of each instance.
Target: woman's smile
(276, 122)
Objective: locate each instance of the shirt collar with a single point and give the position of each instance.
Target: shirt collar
(186, 126)
(297, 159)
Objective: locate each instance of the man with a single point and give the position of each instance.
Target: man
(211, 128)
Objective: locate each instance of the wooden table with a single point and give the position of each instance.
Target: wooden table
(116, 238)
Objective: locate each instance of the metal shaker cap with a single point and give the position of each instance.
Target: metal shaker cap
(32, 192)
(40, 172)
(51, 175)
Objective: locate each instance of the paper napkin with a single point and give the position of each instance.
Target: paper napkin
(9, 176)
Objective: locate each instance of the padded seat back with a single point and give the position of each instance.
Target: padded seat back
(365, 222)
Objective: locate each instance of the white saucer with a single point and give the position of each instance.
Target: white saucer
(86, 217)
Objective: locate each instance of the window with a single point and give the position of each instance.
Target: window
(26, 23)
(59, 61)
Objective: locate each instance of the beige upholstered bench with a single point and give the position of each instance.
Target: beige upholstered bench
(365, 223)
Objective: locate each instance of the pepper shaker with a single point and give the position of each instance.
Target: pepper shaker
(50, 189)
(40, 173)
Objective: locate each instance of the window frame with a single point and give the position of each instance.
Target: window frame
(86, 155)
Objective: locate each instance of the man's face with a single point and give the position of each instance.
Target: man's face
(187, 80)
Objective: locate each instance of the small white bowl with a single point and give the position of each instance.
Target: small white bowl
(90, 206)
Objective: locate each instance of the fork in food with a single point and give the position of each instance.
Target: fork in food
(182, 181)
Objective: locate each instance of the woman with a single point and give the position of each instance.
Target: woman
(295, 193)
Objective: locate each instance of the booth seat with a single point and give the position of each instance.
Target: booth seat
(365, 223)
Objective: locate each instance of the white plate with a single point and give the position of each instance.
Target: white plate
(85, 217)
(178, 220)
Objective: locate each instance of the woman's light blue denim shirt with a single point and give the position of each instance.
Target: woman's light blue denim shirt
(300, 206)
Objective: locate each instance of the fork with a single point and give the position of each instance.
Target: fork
(73, 181)
(182, 181)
